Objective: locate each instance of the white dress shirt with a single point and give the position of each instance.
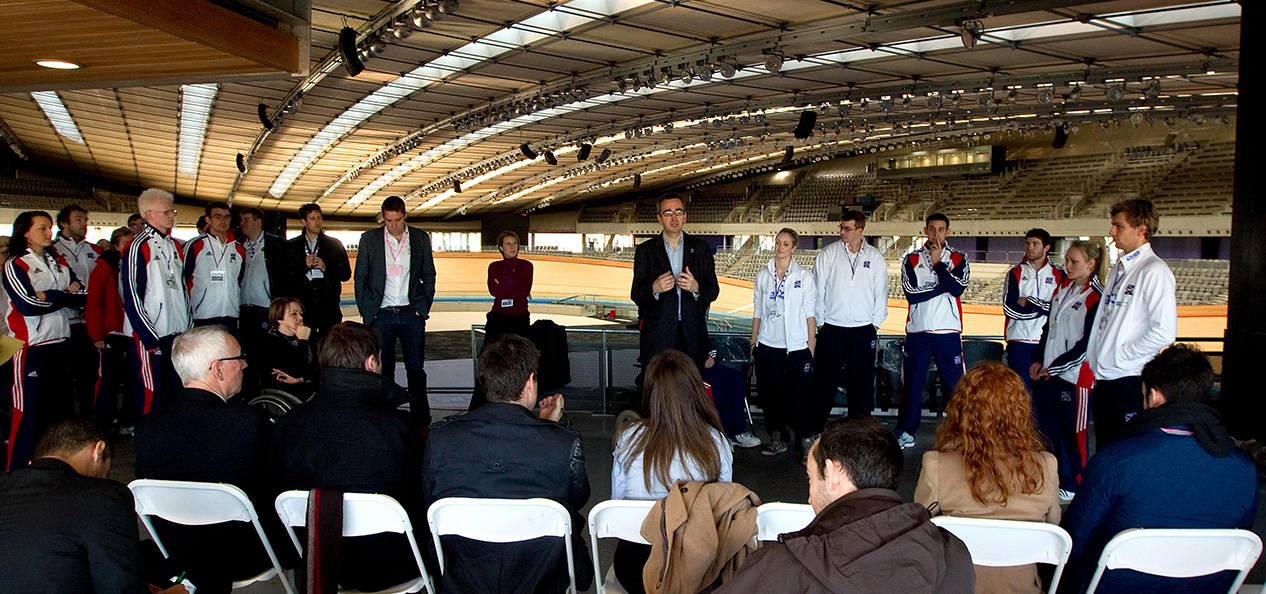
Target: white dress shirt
(396, 292)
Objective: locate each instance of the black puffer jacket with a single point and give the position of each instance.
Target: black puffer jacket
(866, 541)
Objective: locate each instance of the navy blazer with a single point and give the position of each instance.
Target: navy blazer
(371, 273)
(659, 316)
(61, 531)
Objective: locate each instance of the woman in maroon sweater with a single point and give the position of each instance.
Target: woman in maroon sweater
(510, 282)
(103, 315)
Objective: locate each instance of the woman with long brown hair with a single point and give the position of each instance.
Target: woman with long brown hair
(679, 439)
(990, 462)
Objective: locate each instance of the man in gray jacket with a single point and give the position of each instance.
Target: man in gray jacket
(395, 285)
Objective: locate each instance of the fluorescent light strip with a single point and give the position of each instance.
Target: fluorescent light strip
(556, 20)
(57, 115)
(195, 112)
(1023, 32)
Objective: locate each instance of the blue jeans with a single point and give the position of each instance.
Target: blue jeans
(410, 329)
(920, 348)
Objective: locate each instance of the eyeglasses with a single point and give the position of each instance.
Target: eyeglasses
(673, 213)
(168, 212)
(237, 358)
(847, 229)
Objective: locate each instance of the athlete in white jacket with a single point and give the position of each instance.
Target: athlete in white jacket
(1027, 301)
(783, 340)
(1137, 319)
(213, 269)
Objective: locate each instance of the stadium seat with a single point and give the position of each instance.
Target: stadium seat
(616, 518)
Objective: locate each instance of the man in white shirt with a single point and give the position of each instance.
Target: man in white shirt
(395, 286)
(852, 283)
(1026, 302)
(81, 256)
(1137, 318)
(214, 265)
(268, 275)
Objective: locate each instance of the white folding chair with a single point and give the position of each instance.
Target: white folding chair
(363, 514)
(777, 518)
(616, 518)
(1180, 553)
(501, 520)
(1008, 543)
(198, 504)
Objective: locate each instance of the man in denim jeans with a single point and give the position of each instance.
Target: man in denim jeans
(395, 286)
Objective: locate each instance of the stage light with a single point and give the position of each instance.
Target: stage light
(972, 31)
(774, 60)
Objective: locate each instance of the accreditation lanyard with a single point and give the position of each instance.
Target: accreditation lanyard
(167, 253)
(224, 250)
(778, 292)
(852, 264)
(312, 247)
(404, 239)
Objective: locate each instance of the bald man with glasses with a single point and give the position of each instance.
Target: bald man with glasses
(674, 283)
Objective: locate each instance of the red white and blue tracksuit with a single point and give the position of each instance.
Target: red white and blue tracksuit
(934, 326)
(1024, 323)
(1061, 403)
(40, 395)
(156, 305)
(213, 273)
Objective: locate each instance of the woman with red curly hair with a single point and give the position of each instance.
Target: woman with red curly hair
(990, 462)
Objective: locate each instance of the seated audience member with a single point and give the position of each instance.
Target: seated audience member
(352, 436)
(679, 439)
(201, 436)
(1175, 466)
(502, 450)
(863, 538)
(728, 387)
(63, 526)
(288, 359)
(989, 462)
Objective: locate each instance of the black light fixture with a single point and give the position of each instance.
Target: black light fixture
(527, 151)
(457, 186)
(637, 180)
(583, 154)
(550, 158)
(774, 60)
(603, 156)
(972, 31)
(262, 111)
(808, 118)
(243, 165)
(789, 153)
(347, 49)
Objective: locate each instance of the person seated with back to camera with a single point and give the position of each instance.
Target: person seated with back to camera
(989, 461)
(679, 439)
(288, 359)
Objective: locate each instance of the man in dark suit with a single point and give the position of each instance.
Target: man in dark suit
(503, 450)
(351, 436)
(325, 267)
(200, 436)
(674, 283)
(63, 526)
(270, 273)
(395, 285)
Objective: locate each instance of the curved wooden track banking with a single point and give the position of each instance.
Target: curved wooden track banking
(466, 274)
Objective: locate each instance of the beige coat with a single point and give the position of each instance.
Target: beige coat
(943, 481)
(698, 532)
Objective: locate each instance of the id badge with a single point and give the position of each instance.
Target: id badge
(395, 270)
(507, 303)
(171, 282)
(773, 311)
(217, 276)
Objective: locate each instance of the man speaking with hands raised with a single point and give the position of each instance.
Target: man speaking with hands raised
(674, 283)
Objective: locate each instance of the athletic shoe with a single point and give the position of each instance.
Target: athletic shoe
(773, 448)
(1066, 496)
(905, 440)
(126, 430)
(745, 440)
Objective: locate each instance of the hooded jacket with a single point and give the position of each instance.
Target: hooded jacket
(866, 541)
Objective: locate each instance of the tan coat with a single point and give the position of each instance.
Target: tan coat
(698, 532)
(943, 481)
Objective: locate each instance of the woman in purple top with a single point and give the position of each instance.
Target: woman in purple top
(510, 283)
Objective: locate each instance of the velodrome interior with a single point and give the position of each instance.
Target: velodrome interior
(567, 119)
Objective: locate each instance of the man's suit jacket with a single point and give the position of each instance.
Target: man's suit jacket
(283, 276)
(371, 273)
(200, 437)
(64, 532)
(321, 298)
(659, 316)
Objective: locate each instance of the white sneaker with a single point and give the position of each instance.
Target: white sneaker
(745, 440)
(905, 440)
(1066, 496)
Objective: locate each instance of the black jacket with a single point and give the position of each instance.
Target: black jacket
(865, 541)
(297, 358)
(351, 436)
(199, 437)
(659, 316)
(321, 297)
(371, 273)
(283, 276)
(503, 450)
(64, 532)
